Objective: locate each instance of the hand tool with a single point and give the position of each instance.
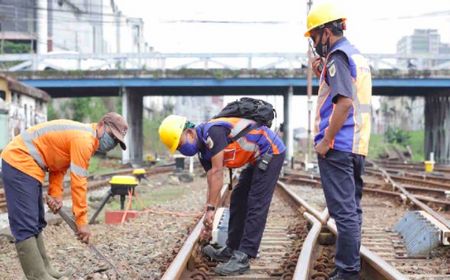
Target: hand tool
(70, 221)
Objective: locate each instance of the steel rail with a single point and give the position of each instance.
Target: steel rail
(304, 180)
(381, 266)
(176, 268)
(412, 198)
(304, 263)
(97, 183)
(318, 215)
(375, 261)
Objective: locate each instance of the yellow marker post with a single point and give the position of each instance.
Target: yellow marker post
(429, 166)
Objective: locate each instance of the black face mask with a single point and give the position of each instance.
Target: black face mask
(322, 49)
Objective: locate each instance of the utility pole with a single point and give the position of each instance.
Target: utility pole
(309, 94)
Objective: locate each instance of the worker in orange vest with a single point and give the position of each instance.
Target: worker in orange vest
(219, 143)
(52, 147)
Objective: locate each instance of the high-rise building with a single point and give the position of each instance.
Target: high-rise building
(82, 26)
(18, 23)
(425, 42)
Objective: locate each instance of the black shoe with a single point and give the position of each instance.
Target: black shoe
(238, 264)
(340, 276)
(220, 255)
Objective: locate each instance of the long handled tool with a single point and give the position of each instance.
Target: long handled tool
(68, 219)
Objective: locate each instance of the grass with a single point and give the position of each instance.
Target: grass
(417, 145)
(149, 199)
(99, 164)
(378, 144)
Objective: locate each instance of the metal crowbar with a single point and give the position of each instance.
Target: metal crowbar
(70, 221)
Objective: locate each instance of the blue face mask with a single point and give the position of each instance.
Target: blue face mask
(188, 149)
(107, 143)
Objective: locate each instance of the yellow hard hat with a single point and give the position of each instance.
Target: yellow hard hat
(170, 131)
(321, 14)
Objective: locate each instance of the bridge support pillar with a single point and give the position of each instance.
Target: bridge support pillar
(288, 130)
(437, 128)
(132, 111)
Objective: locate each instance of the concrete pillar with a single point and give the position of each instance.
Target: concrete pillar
(132, 111)
(42, 27)
(288, 132)
(437, 128)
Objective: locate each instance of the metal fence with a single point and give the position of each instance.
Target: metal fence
(233, 61)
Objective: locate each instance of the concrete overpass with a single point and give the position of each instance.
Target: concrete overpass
(220, 82)
(133, 76)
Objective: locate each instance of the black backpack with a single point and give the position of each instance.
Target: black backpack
(249, 108)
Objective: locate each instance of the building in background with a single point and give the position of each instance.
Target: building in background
(17, 25)
(198, 109)
(406, 113)
(21, 107)
(79, 26)
(425, 42)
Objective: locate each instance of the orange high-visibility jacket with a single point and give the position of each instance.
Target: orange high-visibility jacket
(56, 146)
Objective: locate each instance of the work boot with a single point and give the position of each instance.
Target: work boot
(219, 255)
(340, 276)
(31, 260)
(45, 258)
(238, 264)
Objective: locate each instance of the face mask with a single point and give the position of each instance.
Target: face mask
(322, 49)
(107, 143)
(188, 149)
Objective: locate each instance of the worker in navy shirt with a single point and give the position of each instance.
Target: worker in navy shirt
(342, 130)
(214, 142)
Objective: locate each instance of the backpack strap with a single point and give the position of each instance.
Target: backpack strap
(243, 132)
(230, 184)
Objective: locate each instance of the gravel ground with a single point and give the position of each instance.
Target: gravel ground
(312, 195)
(140, 248)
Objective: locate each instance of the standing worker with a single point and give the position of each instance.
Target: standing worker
(52, 147)
(342, 130)
(264, 153)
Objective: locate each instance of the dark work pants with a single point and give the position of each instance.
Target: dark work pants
(24, 202)
(249, 206)
(342, 184)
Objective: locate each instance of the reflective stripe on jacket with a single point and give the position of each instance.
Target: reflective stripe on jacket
(56, 146)
(248, 147)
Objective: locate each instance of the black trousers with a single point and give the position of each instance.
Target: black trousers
(341, 175)
(250, 201)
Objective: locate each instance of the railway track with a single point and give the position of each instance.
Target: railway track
(281, 244)
(96, 181)
(381, 212)
(289, 249)
(441, 170)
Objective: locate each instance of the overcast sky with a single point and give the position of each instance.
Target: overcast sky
(373, 26)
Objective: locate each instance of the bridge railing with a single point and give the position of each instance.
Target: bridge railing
(232, 61)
